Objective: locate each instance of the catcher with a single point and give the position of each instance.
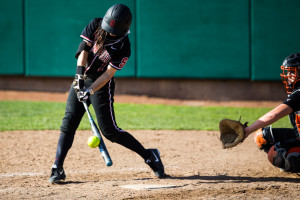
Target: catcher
(281, 144)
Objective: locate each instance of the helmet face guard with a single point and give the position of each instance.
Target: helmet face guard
(289, 77)
(117, 20)
(290, 71)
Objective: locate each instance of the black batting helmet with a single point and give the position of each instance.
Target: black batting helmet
(117, 20)
(291, 71)
(292, 60)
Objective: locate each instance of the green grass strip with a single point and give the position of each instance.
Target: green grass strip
(24, 115)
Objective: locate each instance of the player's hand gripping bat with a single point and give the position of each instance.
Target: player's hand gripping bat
(96, 133)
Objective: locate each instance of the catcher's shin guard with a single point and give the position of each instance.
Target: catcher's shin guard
(286, 155)
(292, 162)
(264, 138)
(277, 155)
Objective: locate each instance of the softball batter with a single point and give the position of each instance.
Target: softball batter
(104, 50)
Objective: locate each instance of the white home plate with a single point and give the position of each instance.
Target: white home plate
(148, 187)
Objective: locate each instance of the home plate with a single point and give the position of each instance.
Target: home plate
(148, 187)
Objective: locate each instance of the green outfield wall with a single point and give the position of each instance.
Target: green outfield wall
(197, 39)
(12, 38)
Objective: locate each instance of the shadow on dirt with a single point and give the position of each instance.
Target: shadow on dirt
(237, 179)
(68, 182)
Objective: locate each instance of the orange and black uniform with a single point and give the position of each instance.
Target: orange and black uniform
(293, 101)
(286, 135)
(286, 141)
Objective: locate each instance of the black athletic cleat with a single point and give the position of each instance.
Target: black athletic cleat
(57, 174)
(155, 163)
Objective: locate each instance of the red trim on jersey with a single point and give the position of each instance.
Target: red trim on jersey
(114, 66)
(82, 36)
(121, 65)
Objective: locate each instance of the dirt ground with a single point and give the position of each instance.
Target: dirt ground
(197, 166)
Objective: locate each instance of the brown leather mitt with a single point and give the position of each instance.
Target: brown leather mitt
(231, 132)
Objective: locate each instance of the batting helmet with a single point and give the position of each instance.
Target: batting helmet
(291, 71)
(117, 20)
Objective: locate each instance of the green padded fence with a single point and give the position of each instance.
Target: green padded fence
(193, 39)
(52, 34)
(204, 39)
(11, 38)
(275, 35)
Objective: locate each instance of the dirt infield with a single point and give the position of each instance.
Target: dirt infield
(197, 166)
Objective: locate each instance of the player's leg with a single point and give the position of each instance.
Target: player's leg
(73, 114)
(266, 137)
(292, 161)
(102, 102)
(286, 155)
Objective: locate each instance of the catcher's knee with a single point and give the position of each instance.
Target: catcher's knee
(277, 155)
(292, 163)
(287, 158)
(264, 138)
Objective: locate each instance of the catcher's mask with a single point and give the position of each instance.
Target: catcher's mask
(291, 71)
(117, 20)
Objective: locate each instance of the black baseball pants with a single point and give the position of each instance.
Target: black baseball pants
(102, 102)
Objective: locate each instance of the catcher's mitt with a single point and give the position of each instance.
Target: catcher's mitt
(231, 132)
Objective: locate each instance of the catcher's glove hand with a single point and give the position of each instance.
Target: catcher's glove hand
(231, 132)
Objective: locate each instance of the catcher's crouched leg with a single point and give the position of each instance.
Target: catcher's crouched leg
(292, 163)
(277, 155)
(289, 160)
(264, 138)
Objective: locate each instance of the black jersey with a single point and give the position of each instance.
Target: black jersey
(116, 51)
(293, 101)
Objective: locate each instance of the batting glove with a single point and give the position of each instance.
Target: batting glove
(83, 95)
(78, 83)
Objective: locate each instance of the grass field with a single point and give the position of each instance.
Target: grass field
(24, 115)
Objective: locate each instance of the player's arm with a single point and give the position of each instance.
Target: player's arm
(269, 118)
(114, 65)
(83, 52)
(103, 79)
(82, 56)
(99, 83)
